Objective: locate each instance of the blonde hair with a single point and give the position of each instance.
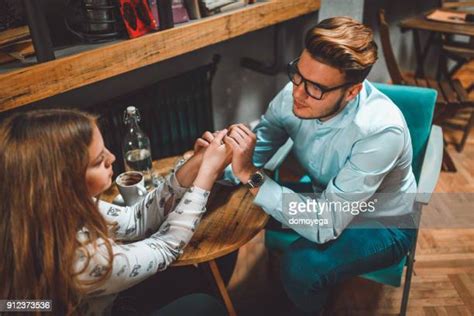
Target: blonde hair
(44, 202)
(345, 44)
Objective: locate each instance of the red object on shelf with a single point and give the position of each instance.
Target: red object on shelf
(137, 17)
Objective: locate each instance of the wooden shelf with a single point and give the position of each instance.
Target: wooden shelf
(23, 86)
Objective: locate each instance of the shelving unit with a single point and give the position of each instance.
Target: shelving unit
(29, 84)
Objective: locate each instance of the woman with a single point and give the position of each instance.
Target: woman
(59, 242)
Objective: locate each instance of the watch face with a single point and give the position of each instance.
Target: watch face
(256, 178)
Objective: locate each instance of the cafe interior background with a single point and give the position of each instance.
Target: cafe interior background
(218, 84)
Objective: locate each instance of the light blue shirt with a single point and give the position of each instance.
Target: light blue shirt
(365, 149)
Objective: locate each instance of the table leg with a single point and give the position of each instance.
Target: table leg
(419, 55)
(422, 52)
(222, 288)
(448, 163)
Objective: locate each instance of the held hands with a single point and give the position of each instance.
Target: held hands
(215, 157)
(242, 141)
(216, 150)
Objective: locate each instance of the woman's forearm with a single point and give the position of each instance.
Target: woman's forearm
(188, 172)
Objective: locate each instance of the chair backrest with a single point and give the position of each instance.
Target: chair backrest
(417, 105)
(392, 65)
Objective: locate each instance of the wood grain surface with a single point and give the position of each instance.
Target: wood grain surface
(27, 85)
(231, 220)
(421, 23)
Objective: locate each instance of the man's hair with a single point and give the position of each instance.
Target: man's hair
(345, 44)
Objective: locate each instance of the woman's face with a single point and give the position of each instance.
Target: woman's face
(99, 171)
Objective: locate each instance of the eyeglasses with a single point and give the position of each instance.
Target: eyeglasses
(312, 89)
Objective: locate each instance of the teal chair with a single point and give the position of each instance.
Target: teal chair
(417, 105)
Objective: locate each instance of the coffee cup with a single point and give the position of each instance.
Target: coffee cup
(131, 185)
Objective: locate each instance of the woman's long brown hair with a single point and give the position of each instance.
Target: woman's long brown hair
(44, 201)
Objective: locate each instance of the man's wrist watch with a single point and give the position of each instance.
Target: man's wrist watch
(256, 180)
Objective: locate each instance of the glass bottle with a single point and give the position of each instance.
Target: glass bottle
(136, 146)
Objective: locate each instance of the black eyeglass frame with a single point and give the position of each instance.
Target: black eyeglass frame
(293, 65)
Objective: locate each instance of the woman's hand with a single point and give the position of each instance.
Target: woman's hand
(215, 158)
(188, 172)
(203, 142)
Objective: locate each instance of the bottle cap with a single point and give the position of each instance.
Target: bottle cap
(130, 112)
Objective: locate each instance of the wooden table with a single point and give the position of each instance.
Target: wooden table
(435, 29)
(230, 222)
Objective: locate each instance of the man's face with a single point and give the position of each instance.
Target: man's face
(332, 102)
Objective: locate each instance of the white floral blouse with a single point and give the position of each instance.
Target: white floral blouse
(146, 241)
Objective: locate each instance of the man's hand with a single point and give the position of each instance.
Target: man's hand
(242, 141)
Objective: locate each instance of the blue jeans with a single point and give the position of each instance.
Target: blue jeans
(310, 270)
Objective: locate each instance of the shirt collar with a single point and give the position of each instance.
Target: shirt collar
(344, 117)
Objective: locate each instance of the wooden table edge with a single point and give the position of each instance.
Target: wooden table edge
(222, 252)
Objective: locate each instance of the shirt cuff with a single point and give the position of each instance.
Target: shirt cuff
(198, 195)
(174, 183)
(228, 177)
(269, 196)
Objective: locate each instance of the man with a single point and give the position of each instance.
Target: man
(353, 143)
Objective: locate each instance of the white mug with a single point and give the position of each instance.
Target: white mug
(131, 185)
